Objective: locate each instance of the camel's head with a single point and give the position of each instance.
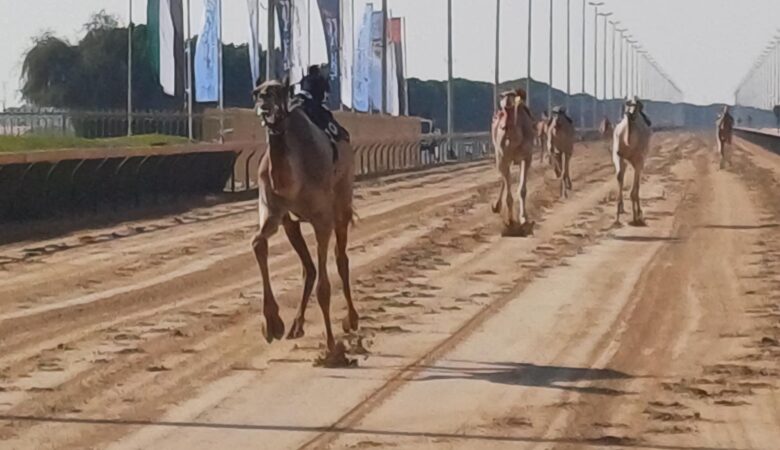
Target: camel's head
(507, 101)
(633, 107)
(271, 102)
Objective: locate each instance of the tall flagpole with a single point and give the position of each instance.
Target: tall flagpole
(384, 57)
(130, 68)
(270, 47)
(221, 81)
(450, 124)
(189, 71)
(406, 69)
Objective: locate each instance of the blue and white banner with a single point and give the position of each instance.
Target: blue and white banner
(207, 55)
(375, 89)
(347, 53)
(284, 16)
(362, 68)
(329, 9)
(254, 40)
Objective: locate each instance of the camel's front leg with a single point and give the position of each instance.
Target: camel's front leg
(525, 166)
(567, 171)
(294, 235)
(564, 174)
(501, 190)
(636, 207)
(350, 322)
(620, 167)
(322, 233)
(720, 151)
(274, 327)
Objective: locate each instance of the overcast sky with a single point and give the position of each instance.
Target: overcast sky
(705, 45)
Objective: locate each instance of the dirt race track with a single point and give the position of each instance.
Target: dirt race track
(148, 335)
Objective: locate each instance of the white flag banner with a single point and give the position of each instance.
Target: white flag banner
(347, 52)
(393, 98)
(300, 39)
(167, 52)
(254, 39)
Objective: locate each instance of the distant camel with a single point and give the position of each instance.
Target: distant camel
(512, 131)
(630, 144)
(540, 136)
(560, 143)
(302, 180)
(605, 128)
(725, 126)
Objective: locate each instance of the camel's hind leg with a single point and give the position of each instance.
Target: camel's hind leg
(274, 327)
(639, 219)
(323, 232)
(350, 323)
(567, 171)
(294, 235)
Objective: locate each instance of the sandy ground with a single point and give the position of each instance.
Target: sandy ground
(147, 335)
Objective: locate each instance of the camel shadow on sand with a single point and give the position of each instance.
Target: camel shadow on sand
(529, 375)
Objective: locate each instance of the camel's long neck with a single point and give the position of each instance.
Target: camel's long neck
(279, 166)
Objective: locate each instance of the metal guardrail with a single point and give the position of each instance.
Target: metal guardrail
(100, 124)
(50, 183)
(767, 139)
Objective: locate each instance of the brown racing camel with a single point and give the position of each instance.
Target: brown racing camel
(301, 181)
(560, 143)
(725, 127)
(630, 144)
(512, 131)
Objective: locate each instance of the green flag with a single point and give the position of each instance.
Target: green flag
(153, 33)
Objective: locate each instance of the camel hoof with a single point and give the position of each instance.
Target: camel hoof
(273, 328)
(617, 224)
(518, 230)
(296, 330)
(638, 223)
(335, 357)
(350, 323)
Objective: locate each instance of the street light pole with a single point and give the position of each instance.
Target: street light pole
(568, 54)
(498, 50)
(129, 69)
(614, 24)
(622, 32)
(604, 65)
(595, 58)
(582, 101)
(550, 71)
(449, 76)
(528, 53)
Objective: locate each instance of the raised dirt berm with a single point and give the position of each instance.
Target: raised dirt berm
(382, 143)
